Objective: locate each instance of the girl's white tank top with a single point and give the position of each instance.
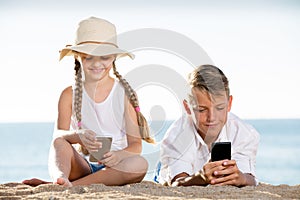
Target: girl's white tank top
(106, 118)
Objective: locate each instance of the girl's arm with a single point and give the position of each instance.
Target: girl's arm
(64, 117)
(134, 140)
(132, 129)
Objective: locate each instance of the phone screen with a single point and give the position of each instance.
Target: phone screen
(221, 151)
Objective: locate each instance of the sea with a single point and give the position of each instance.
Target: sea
(24, 149)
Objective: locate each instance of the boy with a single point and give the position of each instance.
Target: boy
(186, 147)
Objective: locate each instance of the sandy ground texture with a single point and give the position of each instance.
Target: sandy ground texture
(147, 190)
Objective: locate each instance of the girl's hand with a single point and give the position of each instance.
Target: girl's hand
(111, 158)
(88, 139)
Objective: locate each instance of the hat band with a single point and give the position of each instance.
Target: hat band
(94, 42)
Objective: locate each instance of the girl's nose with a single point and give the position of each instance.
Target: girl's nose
(97, 62)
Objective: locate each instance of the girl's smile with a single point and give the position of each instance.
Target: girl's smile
(96, 67)
(97, 70)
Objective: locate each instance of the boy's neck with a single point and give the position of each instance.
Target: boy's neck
(208, 140)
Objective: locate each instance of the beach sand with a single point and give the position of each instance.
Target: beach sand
(147, 190)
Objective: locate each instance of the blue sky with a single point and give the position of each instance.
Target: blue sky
(255, 43)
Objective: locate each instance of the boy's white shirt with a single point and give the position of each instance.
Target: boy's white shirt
(183, 150)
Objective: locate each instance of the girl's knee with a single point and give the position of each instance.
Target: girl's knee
(143, 164)
(61, 143)
(138, 170)
(137, 164)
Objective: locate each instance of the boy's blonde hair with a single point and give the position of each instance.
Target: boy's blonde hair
(210, 79)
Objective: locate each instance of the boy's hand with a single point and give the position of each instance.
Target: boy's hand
(186, 180)
(224, 172)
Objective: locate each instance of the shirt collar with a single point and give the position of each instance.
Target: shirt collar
(223, 135)
(221, 138)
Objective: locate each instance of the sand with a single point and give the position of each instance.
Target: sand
(147, 190)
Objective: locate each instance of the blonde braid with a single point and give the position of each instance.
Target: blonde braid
(78, 92)
(78, 98)
(143, 125)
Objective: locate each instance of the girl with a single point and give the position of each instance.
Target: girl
(98, 105)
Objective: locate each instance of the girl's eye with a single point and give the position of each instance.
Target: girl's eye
(88, 58)
(105, 57)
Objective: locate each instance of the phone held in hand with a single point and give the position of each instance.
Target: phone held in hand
(221, 151)
(106, 145)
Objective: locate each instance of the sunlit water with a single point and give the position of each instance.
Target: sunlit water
(24, 150)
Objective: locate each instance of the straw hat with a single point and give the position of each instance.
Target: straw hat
(95, 37)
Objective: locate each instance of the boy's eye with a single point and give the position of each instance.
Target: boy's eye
(220, 108)
(198, 110)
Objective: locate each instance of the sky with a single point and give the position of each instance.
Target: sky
(256, 44)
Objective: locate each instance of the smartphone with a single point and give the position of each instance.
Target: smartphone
(95, 156)
(221, 151)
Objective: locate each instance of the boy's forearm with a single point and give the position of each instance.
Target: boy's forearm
(178, 176)
(250, 179)
(183, 179)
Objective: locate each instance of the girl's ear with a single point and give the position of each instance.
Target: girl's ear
(186, 107)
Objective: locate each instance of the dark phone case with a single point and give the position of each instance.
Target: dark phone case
(221, 151)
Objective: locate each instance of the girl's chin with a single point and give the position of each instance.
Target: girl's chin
(98, 76)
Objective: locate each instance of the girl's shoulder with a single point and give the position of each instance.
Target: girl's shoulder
(118, 88)
(67, 93)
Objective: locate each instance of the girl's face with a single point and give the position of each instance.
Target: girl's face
(96, 67)
(210, 113)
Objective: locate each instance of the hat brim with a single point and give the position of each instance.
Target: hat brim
(94, 50)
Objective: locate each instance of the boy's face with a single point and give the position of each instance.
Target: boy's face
(210, 113)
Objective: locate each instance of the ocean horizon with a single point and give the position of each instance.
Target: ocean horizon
(24, 149)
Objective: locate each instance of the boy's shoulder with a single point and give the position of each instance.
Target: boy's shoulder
(236, 125)
(181, 127)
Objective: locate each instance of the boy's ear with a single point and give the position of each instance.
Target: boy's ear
(186, 107)
(229, 103)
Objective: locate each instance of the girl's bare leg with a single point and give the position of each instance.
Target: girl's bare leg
(66, 163)
(130, 170)
(68, 168)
